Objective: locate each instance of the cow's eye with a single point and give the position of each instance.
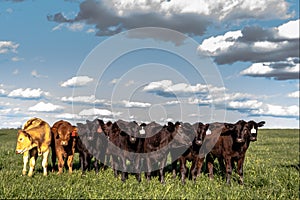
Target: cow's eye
(21, 139)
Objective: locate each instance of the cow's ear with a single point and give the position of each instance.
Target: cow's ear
(260, 124)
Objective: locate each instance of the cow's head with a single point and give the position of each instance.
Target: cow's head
(184, 133)
(93, 128)
(241, 131)
(253, 126)
(64, 133)
(201, 130)
(24, 142)
(131, 128)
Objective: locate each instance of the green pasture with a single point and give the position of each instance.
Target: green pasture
(271, 171)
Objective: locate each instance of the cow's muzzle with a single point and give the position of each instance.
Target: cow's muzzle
(198, 142)
(252, 138)
(64, 143)
(240, 140)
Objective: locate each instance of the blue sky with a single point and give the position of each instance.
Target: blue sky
(200, 61)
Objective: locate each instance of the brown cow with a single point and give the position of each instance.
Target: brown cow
(63, 144)
(231, 146)
(35, 137)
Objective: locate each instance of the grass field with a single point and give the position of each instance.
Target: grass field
(271, 172)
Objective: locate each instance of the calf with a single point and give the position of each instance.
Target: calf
(93, 143)
(63, 144)
(158, 142)
(33, 139)
(231, 146)
(192, 153)
(125, 144)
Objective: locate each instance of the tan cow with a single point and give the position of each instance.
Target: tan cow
(63, 144)
(35, 137)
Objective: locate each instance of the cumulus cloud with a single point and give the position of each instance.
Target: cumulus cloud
(294, 94)
(167, 88)
(35, 74)
(254, 44)
(134, 104)
(98, 112)
(273, 51)
(28, 93)
(68, 116)
(85, 100)
(45, 107)
(285, 70)
(77, 81)
(277, 111)
(190, 17)
(8, 47)
(16, 59)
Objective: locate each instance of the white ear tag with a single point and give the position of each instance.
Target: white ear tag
(208, 132)
(253, 130)
(142, 132)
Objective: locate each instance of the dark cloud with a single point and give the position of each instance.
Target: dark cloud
(108, 22)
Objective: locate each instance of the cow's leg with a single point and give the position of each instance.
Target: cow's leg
(96, 165)
(161, 170)
(45, 162)
(137, 168)
(174, 167)
(228, 169)
(25, 162)
(149, 169)
(53, 158)
(240, 170)
(124, 168)
(70, 163)
(61, 162)
(33, 157)
(183, 169)
(199, 165)
(210, 166)
(115, 164)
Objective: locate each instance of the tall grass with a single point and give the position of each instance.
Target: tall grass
(271, 172)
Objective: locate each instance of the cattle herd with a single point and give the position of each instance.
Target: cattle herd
(132, 148)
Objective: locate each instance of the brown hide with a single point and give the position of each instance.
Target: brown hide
(63, 145)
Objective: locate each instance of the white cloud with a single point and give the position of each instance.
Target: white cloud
(131, 104)
(8, 46)
(254, 44)
(114, 81)
(277, 111)
(191, 17)
(76, 26)
(129, 83)
(68, 116)
(294, 94)
(97, 112)
(45, 107)
(35, 74)
(28, 93)
(290, 70)
(85, 99)
(214, 45)
(168, 88)
(289, 30)
(77, 81)
(10, 111)
(16, 59)
(248, 105)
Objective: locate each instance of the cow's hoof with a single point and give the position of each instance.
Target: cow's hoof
(24, 173)
(30, 174)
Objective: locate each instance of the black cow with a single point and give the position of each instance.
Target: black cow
(125, 144)
(192, 153)
(231, 146)
(160, 140)
(93, 143)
